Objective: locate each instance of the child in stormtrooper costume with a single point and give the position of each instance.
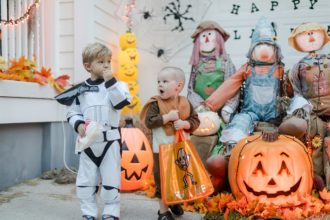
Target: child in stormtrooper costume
(96, 104)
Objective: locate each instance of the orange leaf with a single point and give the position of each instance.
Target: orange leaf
(325, 195)
(212, 205)
(224, 199)
(326, 208)
(15, 65)
(292, 201)
(63, 80)
(225, 216)
(44, 72)
(188, 207)
(295, 214)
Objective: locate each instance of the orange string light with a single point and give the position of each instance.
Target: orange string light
(21, 19)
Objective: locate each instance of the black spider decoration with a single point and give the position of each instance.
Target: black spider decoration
(174, 9)
(161, 53)
(147, 15)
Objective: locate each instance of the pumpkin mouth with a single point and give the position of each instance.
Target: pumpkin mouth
(133, 105)
(132, 57)
(134, 174)
(293, 189)
(129, 74)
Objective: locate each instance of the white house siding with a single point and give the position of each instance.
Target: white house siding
(284, 15)
(66, 37)
(95, 21)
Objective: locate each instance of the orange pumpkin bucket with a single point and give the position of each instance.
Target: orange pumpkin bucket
(270, 171)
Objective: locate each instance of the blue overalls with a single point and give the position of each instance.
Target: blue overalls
(259, 105)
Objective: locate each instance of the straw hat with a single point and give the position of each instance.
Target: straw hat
(304, 27)
(210, 25)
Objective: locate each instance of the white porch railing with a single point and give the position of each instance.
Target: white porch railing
(21, 30)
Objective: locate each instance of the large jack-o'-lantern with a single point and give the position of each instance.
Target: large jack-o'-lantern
(270, 172)
(137, 158)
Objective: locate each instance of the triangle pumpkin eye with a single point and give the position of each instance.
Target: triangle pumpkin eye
(259, 168)
(284, 168)
(143, 147)
(124, 146)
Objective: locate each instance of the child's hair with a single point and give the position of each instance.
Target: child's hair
(177, 73)
(93, 51)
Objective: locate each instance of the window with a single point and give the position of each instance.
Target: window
(21, 33)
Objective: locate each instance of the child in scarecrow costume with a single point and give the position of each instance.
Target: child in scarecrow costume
(309, 112)
(261, 74)
(211, 66)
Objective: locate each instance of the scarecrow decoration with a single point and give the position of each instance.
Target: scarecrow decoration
(261, 77)
(309, 112)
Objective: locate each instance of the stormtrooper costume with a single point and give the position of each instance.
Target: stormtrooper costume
(101, 102)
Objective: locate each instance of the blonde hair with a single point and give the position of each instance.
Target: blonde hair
(93, 51)
(178, 73)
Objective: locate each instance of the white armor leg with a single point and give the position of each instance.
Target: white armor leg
(110, 173)
(86, 183)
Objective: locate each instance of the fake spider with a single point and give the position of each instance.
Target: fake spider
(174, 10)
(147, 15)
(161, 53)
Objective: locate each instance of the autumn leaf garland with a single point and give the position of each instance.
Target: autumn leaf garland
(26, 71)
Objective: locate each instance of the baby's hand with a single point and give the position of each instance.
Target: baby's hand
(81, 130)
(173, 115)
(180, 124)
(107, 74)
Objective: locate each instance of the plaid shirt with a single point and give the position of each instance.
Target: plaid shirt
(228, 68)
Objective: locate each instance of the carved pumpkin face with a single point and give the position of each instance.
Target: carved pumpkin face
(133, 87)
(137, 159)
(127, 40)
(270, 171)
(129, 55)
(127, 72)
(209, 123)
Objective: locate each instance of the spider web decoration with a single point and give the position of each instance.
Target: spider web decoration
(155, 36)
(174, 9)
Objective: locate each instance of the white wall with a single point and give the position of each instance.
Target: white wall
(66, 37)
(94, 21)
(284, 15)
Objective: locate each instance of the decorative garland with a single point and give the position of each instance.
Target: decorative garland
(26, 71)
(225, 206)
(21, 19)
(128, 14)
